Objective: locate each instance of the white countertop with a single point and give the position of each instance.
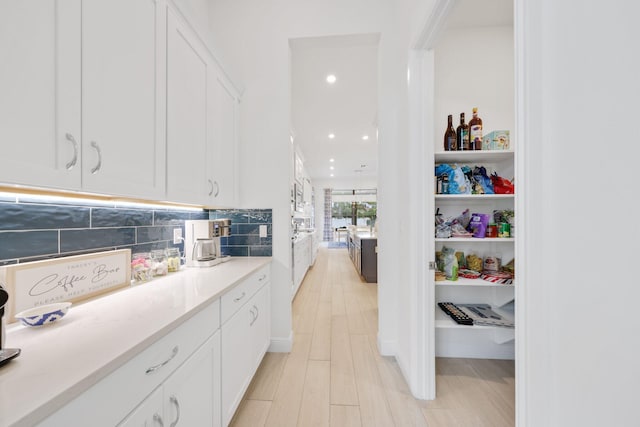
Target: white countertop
(366, 235)
(61, 360)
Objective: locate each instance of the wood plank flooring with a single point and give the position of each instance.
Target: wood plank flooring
(334, 375)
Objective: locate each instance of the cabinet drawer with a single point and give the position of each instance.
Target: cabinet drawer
(239, 295)
(111, 399)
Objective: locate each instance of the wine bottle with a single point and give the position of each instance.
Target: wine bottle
(462, 134)
(475, 131)
(450, 143)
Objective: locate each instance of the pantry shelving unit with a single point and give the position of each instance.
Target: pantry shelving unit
(453, 340)
(485, 79)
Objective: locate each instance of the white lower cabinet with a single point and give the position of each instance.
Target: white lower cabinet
(188, 397)
(149, 413)
(195, 375)
(245, 338)
(184, 363)
(301, 262)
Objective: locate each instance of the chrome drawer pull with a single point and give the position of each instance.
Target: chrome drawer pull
(173, 399)
(264, 276)
(73, 161)
(255, 316)
(160, 365)
(239, 298)
(158, 419)
(97, 167)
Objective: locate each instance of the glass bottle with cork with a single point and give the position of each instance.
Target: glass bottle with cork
(462, 135)
(450, 143)
(475, 131)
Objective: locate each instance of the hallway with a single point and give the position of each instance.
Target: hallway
(334, 375)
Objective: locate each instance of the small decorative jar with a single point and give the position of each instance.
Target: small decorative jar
(173, 259)
(159, 263)
(141, 267)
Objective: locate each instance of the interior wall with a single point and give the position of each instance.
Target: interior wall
(478, 76)
(253, 35)
(581, 369)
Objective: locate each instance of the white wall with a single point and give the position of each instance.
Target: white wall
(477, 78)
(582, 346)
(253, 36)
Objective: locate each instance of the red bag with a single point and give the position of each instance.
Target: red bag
(501, 185)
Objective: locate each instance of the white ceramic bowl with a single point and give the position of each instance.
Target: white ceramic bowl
(43, 314)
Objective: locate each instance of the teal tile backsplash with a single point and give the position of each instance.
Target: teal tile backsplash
(31, 229)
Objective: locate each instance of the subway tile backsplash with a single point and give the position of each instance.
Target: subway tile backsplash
(245, 237)
(32, 229)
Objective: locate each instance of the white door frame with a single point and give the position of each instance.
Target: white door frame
(421, 84)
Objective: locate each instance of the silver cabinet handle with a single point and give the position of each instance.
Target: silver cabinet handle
(239, 298)
(173, 399)
(97, 167)
(152, 369)
(264, 276)
(217, 189)
(210, 186)
(73, 161)
(255, 316)
(158, 419)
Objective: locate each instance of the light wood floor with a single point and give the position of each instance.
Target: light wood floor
(334, 375)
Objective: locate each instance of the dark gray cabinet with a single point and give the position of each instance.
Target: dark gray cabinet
(363, 252)
(369, 259)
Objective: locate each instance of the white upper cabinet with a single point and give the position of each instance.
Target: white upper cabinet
(40, 93)
(222, 154)
(114, 97)
(67, 67)
(187, 75)
(123, 97)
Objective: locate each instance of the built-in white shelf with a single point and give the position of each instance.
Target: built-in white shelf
(476, 239)
(500, 333)
(472, 156)
(463, 281)
(473, 196)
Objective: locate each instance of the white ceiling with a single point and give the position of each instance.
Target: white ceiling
(485, 13)
(346, 108)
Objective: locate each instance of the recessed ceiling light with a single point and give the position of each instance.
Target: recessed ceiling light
(365, 137)
(331, 168)
(331, 79)
(331, 175)
(332, 160)
(331, 136)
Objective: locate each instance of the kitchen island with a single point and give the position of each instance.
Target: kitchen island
(363, 251)
(91, 356)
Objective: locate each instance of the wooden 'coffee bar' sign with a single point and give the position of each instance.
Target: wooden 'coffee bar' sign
(71, 279)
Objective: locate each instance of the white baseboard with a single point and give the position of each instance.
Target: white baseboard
(386, 348)
(281, 345)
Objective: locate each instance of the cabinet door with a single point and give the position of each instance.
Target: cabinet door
(148, 414)
(187, 71)
(260, 325)
(189, 392)
(223, 142)
(236, 360)
(40, 93)
(122, 87)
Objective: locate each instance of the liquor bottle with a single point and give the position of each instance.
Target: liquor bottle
(475, 131)
(462, 134)
(450, 136)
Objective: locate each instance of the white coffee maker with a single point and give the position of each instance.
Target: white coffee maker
(202, 241)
